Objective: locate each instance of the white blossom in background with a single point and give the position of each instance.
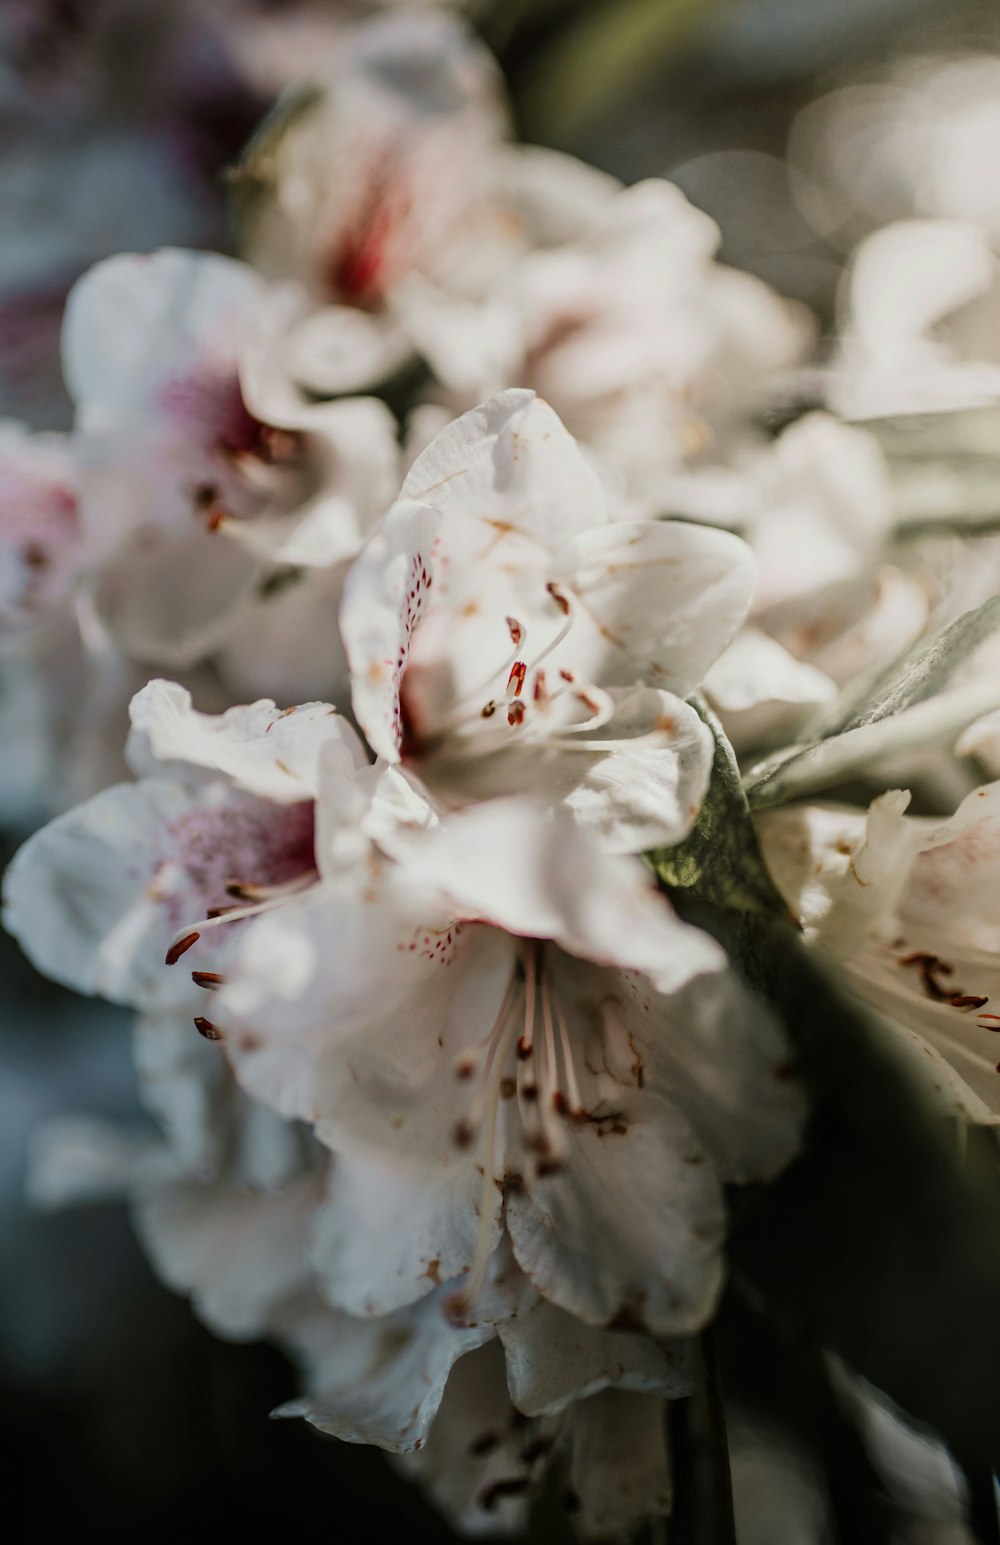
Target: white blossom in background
(221, 506)
(392, 194)
(908, 906)
(55, 686)
(506, 634)
(383, 169)
(918, 142)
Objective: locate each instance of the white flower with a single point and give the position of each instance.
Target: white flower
(484, 1464)
(205, 476)
(651, 351)
(386, 166)
(823, 518)
(40, 534)
(222, 821)
(505, 634)
(909, 905)
(923, 345)
(508, 1032)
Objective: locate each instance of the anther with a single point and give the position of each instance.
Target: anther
(562, 1107)
(516, 631)
(523, 1048)
(516, 678)
(967, 1000)
(206, 1028)
(463, 1134)
(465, 1067)
(207, 979)
(515, 713)
(559, 596)
(180, 947)
(489, 709)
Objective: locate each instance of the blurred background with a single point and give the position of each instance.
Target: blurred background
(798, 127)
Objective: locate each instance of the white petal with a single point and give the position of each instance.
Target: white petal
(636, 799)
(384, 594)
(268, 751)
(133, 322)
(760, 690)
(620, 1467)
(96, 897)
(77, 894)
(946, 263)
(185, 1084)
(714, 1051)
(170, 599)
(262, 654)
(341, 349)
(481, 1460)
(664, 599)
(376, 1381)
(630, 1232)
(538, 875)
(554, 1358)
(404, 1205)
(78, 1159)
(509, 463)
(237, 1253)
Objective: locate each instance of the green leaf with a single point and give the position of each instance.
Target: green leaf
(944, 469)
(926, 697)
(721, 859)
(875, 1244)
(601, 55)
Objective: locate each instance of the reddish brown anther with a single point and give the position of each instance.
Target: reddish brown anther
(516, 678)
(210, 980)
(206, 1028)
(561, 600)
(180, 948)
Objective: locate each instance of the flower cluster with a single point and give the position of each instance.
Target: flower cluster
(449, 1080)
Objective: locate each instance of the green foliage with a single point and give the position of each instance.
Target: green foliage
(877, 1243)
(924, 698)
(721, 860)
(600, 54)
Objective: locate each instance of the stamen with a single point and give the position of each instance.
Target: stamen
(206, 1028)
(576, 1103)
(490, 1095)
(216, 916)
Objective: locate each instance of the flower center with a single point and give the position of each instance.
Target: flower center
(528, 701)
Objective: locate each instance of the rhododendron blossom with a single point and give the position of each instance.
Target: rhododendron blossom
(205, 474)
(531, 1045)
(505, 634)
